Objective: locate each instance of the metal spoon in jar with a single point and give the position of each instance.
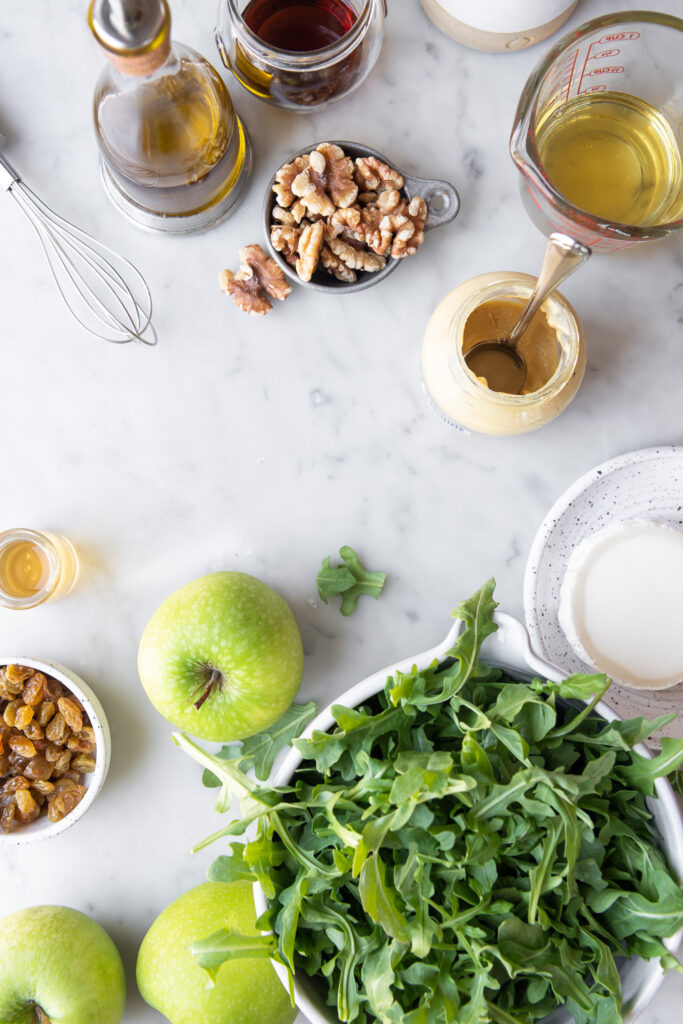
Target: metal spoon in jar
(497, 359)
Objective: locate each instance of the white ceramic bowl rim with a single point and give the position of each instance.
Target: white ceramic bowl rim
(508, 648)
(42, 828)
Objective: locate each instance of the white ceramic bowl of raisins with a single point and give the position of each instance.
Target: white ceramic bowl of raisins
(72, 726)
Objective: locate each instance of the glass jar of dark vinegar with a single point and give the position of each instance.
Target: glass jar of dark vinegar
(300, 54)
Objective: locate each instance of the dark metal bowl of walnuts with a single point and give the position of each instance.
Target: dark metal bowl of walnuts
(54, 749)
(339, 216)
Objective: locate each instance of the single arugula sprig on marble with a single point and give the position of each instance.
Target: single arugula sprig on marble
(466, 846)
(349, 580)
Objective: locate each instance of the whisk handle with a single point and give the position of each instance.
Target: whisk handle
(7, 174)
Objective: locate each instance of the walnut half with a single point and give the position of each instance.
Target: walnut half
(258, 280)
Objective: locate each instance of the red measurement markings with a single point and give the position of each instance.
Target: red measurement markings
(615, 69)
(619, 37)
(559, 81)
(605, 53)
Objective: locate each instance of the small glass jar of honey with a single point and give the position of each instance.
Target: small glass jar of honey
(35, 567)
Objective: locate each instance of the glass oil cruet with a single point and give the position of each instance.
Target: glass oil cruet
(174, 155)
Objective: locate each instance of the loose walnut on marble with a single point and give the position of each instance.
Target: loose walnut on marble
(258, 280)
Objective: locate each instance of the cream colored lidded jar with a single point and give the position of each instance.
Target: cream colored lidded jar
(486, 307)
(498, 25)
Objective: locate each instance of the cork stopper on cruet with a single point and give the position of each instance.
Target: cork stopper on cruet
(135, 34)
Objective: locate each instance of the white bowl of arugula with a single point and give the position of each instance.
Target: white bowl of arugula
(459, 838)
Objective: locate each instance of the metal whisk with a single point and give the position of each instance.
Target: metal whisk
(105, 293)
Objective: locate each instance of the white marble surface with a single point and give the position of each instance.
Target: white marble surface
(264, 445)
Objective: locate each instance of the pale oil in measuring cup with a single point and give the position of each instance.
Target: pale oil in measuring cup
(614, 156)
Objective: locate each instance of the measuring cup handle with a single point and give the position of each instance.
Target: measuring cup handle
(442, 199)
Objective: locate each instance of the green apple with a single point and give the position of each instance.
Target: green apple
(222, 657)
(58, 966)
(169, 979)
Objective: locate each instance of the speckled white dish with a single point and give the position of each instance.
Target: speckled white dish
(645, 484)
(42, 828)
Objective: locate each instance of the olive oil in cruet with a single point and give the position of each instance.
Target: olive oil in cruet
(175, 156)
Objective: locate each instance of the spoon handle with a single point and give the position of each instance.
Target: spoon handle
(563, 255)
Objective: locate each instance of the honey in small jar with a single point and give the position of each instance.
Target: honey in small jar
(35, 567)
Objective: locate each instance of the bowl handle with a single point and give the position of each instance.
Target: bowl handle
(442, 199)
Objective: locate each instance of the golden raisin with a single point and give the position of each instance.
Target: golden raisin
(63, 803)
(18, 673)
(34, 691)
(53, 752)
(7, 823)
(23, 717)
(45, 712)
(71, 714)
(15, 783)
(71, 775)
(34, 731)
(56, 731)
(38, 768)
(22, 746)
(82, 763)
(62, 763)
(10, 712)
(43, 786)
(27, 806)
(53, 689)
(4, 765)
(15, 676)
(81, 742)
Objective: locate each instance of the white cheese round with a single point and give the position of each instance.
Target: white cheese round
(621, 603)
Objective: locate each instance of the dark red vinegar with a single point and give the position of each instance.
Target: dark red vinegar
(299, 26)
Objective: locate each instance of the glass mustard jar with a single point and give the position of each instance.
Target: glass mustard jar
(300, 56)
(487, 307)
(174, 155)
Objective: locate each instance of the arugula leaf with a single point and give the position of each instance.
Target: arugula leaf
(258, 753)
(378, 899)
(262, 750)
(350, 580)
(232, 868)
(227, 944)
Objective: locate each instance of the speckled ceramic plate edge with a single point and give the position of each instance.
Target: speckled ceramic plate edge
(563, 528)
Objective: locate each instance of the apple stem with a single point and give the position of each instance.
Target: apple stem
(213, 682)
(41, 1018)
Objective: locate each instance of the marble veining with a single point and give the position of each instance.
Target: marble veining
(266, 444)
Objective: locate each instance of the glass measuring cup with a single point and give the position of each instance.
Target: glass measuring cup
(635, 59)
